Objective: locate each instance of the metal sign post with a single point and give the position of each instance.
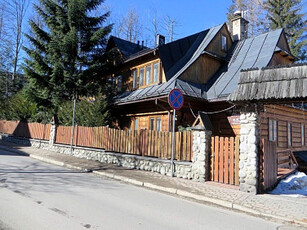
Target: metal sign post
(173, 143)
(175, 100)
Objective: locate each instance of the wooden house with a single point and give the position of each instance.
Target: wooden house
(205, 66)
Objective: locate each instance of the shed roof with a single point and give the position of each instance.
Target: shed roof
(272, 83)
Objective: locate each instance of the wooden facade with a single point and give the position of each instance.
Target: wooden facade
(285, 125)
(155, 113)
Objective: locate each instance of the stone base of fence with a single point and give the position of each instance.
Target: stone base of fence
(182, 169)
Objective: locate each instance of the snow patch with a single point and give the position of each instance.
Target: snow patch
(294, 185)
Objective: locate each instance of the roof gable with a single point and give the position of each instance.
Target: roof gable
(177, 56)
(250, 53)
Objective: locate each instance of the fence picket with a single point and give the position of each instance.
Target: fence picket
(231, 161)
(226, 161)
(216, 159)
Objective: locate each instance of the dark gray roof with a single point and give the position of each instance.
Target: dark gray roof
(175, 54)
(188, 50)
(250, 53)
(254, 52)
(272, 83)
(125, 47)
(187, 89)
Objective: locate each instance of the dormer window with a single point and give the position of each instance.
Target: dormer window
(145, 75)
(224, 43)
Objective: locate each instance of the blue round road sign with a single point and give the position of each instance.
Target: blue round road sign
(175, 99)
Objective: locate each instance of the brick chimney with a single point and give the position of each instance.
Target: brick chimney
(239, 26)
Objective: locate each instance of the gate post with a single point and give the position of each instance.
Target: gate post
(249, 146)
(201, 147)
(52, 134)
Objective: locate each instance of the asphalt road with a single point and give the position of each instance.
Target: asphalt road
(36, 195)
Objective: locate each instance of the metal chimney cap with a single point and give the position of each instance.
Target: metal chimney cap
(237, 13)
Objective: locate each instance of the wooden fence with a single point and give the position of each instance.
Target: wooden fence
(142, 142)
(225, 160)
(27, 130)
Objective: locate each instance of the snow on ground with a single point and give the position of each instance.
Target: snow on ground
(293, 185)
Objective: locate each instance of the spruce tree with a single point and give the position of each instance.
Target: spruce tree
(67, 59)
(288, 14)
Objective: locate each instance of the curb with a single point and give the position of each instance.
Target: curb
(59, 163)
(219, 202)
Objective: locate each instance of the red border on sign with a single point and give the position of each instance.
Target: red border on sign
(179, 95)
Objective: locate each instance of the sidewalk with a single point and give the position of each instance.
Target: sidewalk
(288, 209)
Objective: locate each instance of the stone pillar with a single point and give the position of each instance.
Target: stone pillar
(52, 134)
(201, 147)
(249, 144)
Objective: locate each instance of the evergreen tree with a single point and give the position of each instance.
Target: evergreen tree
(91, 112)
(68, 59)
(288, 14)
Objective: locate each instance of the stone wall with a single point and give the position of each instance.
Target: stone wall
(201, 148)
(249, 144)
(182, 169)
(197, 170)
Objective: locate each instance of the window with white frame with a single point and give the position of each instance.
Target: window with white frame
(158, 124)
(303, 134)
(135, 78)
(141, 76)
(155, 72)
(224, 43)
(136, 124)
(272, 130)
(146, 75)
(151, 123)
(289, 134)
(155, 123)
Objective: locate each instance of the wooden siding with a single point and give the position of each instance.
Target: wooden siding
(284, 115)
(201, 70)
(144, 121)
(215, 46)
(278, 59)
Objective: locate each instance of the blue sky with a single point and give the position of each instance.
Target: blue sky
(192, 15)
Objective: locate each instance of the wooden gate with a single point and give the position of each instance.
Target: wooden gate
(225, 160)
(268, 165)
